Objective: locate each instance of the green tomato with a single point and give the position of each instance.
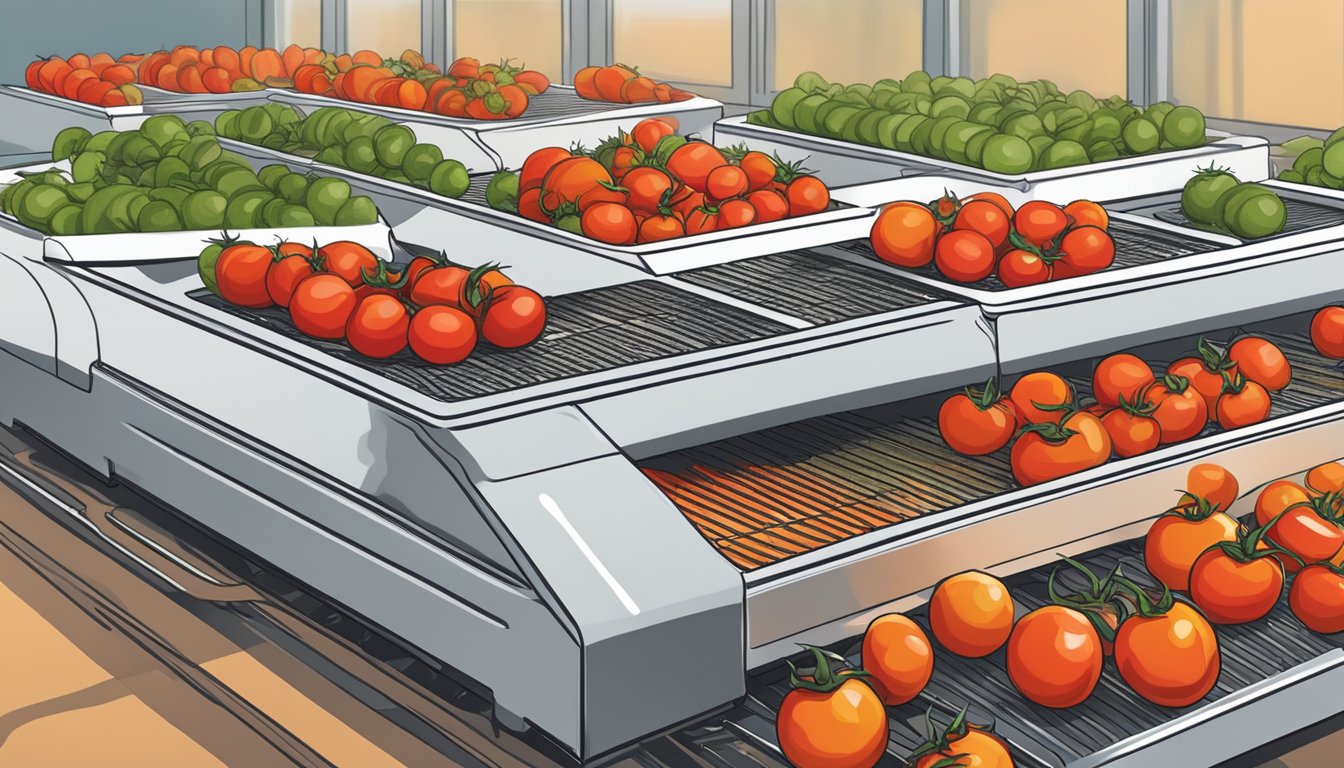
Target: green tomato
(1200, 196)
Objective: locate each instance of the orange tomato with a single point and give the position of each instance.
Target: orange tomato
(1018, 268)
(760, 170)
(241, 274)
(216, 80)
(897, 654)
(1055, 656)
(725, 182)
(119, 74)
(961, 744)
(1311, 532)
(1262, 362)
(1317, 599)
(769, 204)
(647, 133)
(585, 84)
(736, 213)
(998, 200)
(610, 80)
(572, 179)
(1326, 478)
(1179, 410)
(538, 164)
(1086, 213)
(638, 90)
(1169, 657)
(1039, 222)
(1213, 485)
(1327, 332)
(965, 256)
(610, 223)
(1243, 403)
(1132, 433)
(659, 227)
(905, 234)
(1178, 538)
(831, 720)
(1041, 388)
(1084, 250)
(1234, 583)
(648, 188)
(977, 423)
(807, 195)
(1208, 382)
(692, 163)
(1051, 451)
(971, 614)
(1120, 377)
(986, 218)
(1278, 497)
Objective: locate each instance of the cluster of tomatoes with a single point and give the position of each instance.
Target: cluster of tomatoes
(652, 184)
(1134, 411)
(969, 240)
(342, 291)
(469, 89)
(1236, 573)
(98, 79)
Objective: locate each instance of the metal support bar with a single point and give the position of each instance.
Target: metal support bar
(937, 39)
(761, 53)
(259, 23)
(1136, 51)
(333, 25)
(436, 30)
(1159, 50)
(575, 37)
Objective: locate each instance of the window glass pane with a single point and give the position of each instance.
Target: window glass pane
(1262, 60)
(299, 22)
(526, 31)
(1074, 43)
(386, 27)
(848, 41)
(688, 41)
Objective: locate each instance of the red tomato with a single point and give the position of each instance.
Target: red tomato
(1233, 583)
(514, 317)
(1169, 657)
(692, 163)
(285, 275)
(378, 326)
(760, 170)
(905, 234)
(418, 266)
(736, 213)
(1327, 332)
(1038, 395)
(659, 227)
(806, 195)
(1018, 268)
(241, 274)
(1180, 411)
(442, 335)
(650, 189)
(1317, 599)
(725, 182)
(964, 256)
(769, 204)
(1084, 250)
(1242, 404)
(1132, 433)
(1050, 451)
(1055, 656)
(1039, 223)
(1261, 361)
(610, 223)
(648, 132)
(985, 218)
(702, 220)
(351, 261)
(1205, 372)
(1308, 532)
(831, 719)
(1120, 377)
(977, 423)
(898, 655)
(321, 305)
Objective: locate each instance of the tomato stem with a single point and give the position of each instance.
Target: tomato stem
(1101, 594)
(824, 678)
(940, 740)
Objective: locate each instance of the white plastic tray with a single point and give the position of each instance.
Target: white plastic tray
(556, 118)
(846, 163)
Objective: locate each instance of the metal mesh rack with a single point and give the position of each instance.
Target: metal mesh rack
(765, 496)
(586, 332)
(812, 286)
(1135, 245)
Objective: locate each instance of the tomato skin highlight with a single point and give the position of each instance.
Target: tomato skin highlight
(442, 335)
(1317, 599)
(971, 614)
(1327, 332)
(1055, 657)
(1326, 478)
(514, 318)
(1303, 532)
(321, 305)
(846, 728)
(1170, 660)
(378, 326)
(897, 653)
(964, 256)
(1233, 592)
(1175, 542)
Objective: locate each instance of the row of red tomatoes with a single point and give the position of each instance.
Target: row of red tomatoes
(1134, 412)
(652, 185)
(1236, 573)
(967, 241)
(342, 291)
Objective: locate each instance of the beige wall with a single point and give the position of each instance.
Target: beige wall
(1075, 43)
(848, 41)
(385, 26)
(685, 40)
(1274, 61)
(526, 31)
(299, 22)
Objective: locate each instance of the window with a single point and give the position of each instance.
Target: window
(1261, 60)
(526, 31)
(298, 22)
(1075, 44)
(688, 41)
(847, 41)
(386, 27)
